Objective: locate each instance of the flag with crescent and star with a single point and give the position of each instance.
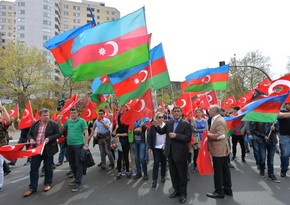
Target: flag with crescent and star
(208, 79)
(60, 46)
(143, 108)
(245, 99)
(184, 103)
(65, 111)
(89, 112)
(203, 160)
(262, 110)
(229, 102)
(110, 47)
(14, 112)
(27, 117)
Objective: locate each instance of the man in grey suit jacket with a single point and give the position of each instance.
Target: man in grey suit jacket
(178, 134)
(219, 149)
(43, 130)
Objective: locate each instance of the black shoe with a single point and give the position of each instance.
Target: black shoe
(138, 176)
(215, 195)
(118, 176)
(6, 173)
(163, 180)
(182, 199)
(283, 174)
(69, 173)
(174, 194)
(111, 167)
(145, 177)
(12, 163)
(231, 166)
(228, 192)
(154, 183)
(99, 165)
(243, 160)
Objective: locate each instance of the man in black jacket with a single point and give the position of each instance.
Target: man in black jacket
(43, 130)
(178, 134)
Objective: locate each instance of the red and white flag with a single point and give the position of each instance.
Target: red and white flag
(143, 108)
(203, 160)
(89, 112)
(27, 117)
(229, 102)
(37, 116)
(185, 103)
(14, 112)
(70, 103)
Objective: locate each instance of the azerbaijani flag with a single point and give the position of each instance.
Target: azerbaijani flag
(110, 47)
(263, 110)
(102, 85)
(208, 79)
(159, 72)
(60, 46)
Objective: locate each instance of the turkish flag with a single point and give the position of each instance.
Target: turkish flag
(37, 116)
(70, 103)
(16, 151)
(89, 112)
(212, 97)
(229, 102)
(245, 99)
(162, 105)
(184, 102)
(11, 148)
(14, 112)
(143, 108)
(27, 117)
(54, 116)
(203, 160)
(203, 103)
(278, 86)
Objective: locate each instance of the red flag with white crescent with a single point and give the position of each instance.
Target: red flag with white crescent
(184, 102)
(89, 112)
(229, 102)
(143, 108)
(203, 160)
(27, 117)
(14, 112)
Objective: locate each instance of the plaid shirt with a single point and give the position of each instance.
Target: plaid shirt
(41, 133)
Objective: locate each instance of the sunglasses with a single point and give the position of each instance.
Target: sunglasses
(160, 117)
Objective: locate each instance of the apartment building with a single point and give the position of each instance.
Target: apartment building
(7, 21)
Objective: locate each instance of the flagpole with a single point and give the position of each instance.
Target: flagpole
(93, 17)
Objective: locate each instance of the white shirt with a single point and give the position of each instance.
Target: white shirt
(160, 139)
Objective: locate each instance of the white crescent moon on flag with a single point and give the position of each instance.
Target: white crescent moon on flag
(115, 47)
(104, 80)
(146, 74)
(278, 82)
(184, 103)
(11, 112)
(206, 79)
(12, 147)
(32, 150)
(209, 98)
(26, 113)
(142, 105)
(89, 111)
(243, 100)
(230, 101)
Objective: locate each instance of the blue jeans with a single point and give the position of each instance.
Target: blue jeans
(62, 152)
(34, 170)
(270, 148)
(139, 149)
(158, 158)
(74, 154)
(284, 142)
(256, 151)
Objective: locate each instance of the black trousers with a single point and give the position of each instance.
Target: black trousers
(222, 174)
(238, 139)
(178, 173)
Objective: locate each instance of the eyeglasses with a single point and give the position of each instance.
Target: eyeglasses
(160, 117)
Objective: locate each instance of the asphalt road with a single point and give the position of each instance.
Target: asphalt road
(103, 188)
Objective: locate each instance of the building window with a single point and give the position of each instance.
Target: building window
(20, 19)
(9, 27)
(65, 19)
(47, 15)
(65, 26)
(20, 27)
(76, 20)
(66, 6)
(2, 13)
(10, 14)
(46, 7)
(65, 13)
(10, 7)
(108, 12)
(113, 13)
(3, 34)
(46, 30)
(98, 10)
(48, 1)
(45, 38)
(9, 34)
(2, 27)
(21, 35)
(98, 17)
(21, 4)
(2, 6)
(46, 22)
(21, 11)
(2, 20)
(76, 14)
(76, 8)
(9, 20)
(108, 19)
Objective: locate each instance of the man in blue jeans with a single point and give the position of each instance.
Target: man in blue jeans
(284, 138)
(77, 140)
(43, 130)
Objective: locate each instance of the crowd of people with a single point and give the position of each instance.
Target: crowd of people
(169, 136)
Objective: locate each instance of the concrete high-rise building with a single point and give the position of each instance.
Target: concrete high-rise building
(36, 21)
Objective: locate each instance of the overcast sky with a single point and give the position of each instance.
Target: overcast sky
(198, 34)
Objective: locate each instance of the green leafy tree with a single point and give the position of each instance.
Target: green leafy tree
(25, 72)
